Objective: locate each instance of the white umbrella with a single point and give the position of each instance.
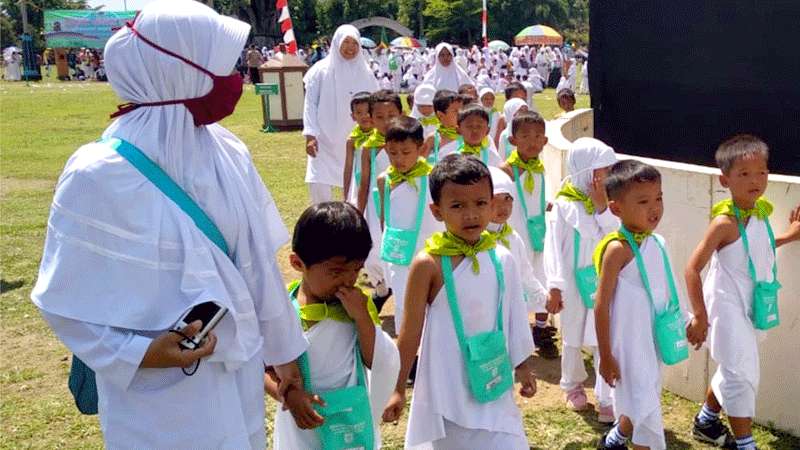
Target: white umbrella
(499, 46)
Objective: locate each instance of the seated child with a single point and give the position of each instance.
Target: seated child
(473, 139)
(566, 101)
(510, 110)
(359, 111)
(636, 284)
(527, 171)
(406, 219)
(351, 365)
(468, 93)
(578, 221)
(423, 109)
(446, 104)
(465, 292)
(740, 290)
(487, 100)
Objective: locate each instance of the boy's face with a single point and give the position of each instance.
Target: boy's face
(487, 101)
(324, 278)
(529, 139)
(640, 208)
(449, 118)
(473, 129)
(382, 113)
(425, 110)
(566, 103)
(361, 115)
(747, 179)
(520, 94)
(465, 209)
(403, 154)
(502, 207)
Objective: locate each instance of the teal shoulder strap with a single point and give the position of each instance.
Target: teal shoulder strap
(576, 251)
(165, 184)
(743, 233)
(673, 300)
(387, 203)
(373, 177)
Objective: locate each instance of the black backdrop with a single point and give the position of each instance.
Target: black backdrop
(671, 79)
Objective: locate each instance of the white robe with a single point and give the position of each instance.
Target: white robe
(493, 159)
(332, 363)
(374, 266)
(732, 339)
(441, 392)
(533, 291)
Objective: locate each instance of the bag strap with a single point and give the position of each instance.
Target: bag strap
(576, 244)
(168, 187)
(673, 300)
(521, 193)
(387, 202)
(373, 183)
(743, 233)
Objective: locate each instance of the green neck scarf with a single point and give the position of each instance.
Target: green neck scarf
(420, 169)
(375, 140)
(502, 235)
(448, 244)
(450, 133)
(762, 209)
(317, 312)
(530, 167)
(429, 120)
(573, 194)
(597, 257)
(474, 150)
(359, 136)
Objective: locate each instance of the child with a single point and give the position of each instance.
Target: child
(423, 109)
(510, 110)
(446, 104)
(468, 93)
(406, 220)
(627, 300)
(473, 139)
(513, 90)
(463, 399)
(330, 244)
(487, 100)
(579, 220)
(741, 247)
(527, 171)
(359, 109)
(566, 101)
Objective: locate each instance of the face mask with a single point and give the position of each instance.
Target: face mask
(210, 108)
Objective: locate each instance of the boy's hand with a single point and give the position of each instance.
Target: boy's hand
(793, 233)
(299, 403)
(697, 331)
(554, 302)
(354, 302)
(598, 194)
(289, 377)
(395, 406)
(609, 370)
(165, 350)
(311, 146)
(524, 375)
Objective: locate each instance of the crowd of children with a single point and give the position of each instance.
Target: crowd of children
(447, 212)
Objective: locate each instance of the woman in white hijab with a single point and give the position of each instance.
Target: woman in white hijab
(122, 261)
(445, 73)
(330, 84)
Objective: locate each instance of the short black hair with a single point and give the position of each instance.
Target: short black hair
(467, 99)
(514, 86)
(626, 173)
(565, 92)
(359, 98)
(403, 128)
(523, 117)
(473, 109)
(443, 99)
(458, 169)
(329, 230)
(385, 96)
(466, 87)
(738, 147)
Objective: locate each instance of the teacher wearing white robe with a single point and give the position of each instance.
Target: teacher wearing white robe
(446, 74)
(330, 85)
(122, 262)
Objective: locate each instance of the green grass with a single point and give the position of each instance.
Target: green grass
(40, 126)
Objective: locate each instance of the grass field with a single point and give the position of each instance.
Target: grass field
(40, 126)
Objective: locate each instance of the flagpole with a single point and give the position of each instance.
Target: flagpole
(484, 20)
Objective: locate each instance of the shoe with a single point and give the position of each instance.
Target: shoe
(576, 399)
(605, 414)
(714, 433)
(602, 445)
(380, 300)
(544, 342)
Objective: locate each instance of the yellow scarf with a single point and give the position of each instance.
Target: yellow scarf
(375, 140)
(420, 169)
(448, 244)
(359, 136)
(502, 235)
(429, 120)
(317, 312)
(573, 194)
(450, 133)
(597, 256)
(530, 167)
(763, 208)
(474, 150)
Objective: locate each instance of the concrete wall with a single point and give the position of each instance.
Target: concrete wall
(689, 193)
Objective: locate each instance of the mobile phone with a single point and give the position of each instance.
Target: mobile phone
(210, 313)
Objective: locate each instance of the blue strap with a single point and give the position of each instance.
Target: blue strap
(165, 184)
(521, 193)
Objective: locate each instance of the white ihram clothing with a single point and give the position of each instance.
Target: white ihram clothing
(374, 266)
(533, 291)
(493, 159)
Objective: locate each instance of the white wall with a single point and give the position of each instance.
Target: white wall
(689, 193)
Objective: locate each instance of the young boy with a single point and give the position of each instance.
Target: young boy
(473, 139)
(459, 290)
(423, 109)
(468, 93)
(566, 101)
(527, 171)
(405, 218)
(446, 104)
(738, 243)
(359, 111)
(625, 305)
(330, 244)
(579, 219)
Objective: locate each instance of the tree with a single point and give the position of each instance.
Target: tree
(11, 19)
(508, 17)
(457, 21)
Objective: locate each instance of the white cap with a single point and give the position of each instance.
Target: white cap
(501, 181)
(423, 95)
(484, 91)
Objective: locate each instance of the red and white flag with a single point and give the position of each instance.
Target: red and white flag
(484, 20)
(286, 26)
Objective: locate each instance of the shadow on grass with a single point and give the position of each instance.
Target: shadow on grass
(6, 286)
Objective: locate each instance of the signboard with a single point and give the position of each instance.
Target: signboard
(266, 89)
(82, 28)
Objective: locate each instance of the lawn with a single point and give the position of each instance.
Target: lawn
(40, 126)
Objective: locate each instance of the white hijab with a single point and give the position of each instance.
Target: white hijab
(118, 252)
(585, 155)
(450, 77)
(510, 110)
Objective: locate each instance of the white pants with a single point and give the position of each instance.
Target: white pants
(320, 192)
(573, 373)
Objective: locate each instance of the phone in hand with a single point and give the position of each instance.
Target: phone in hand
(210, 313)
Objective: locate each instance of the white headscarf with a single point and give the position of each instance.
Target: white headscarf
(510, 110)
(585, 155)
(501, 182)
(118, 252)
(450, 77)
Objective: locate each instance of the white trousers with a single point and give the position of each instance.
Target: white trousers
(320, 192)
(573, 373)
